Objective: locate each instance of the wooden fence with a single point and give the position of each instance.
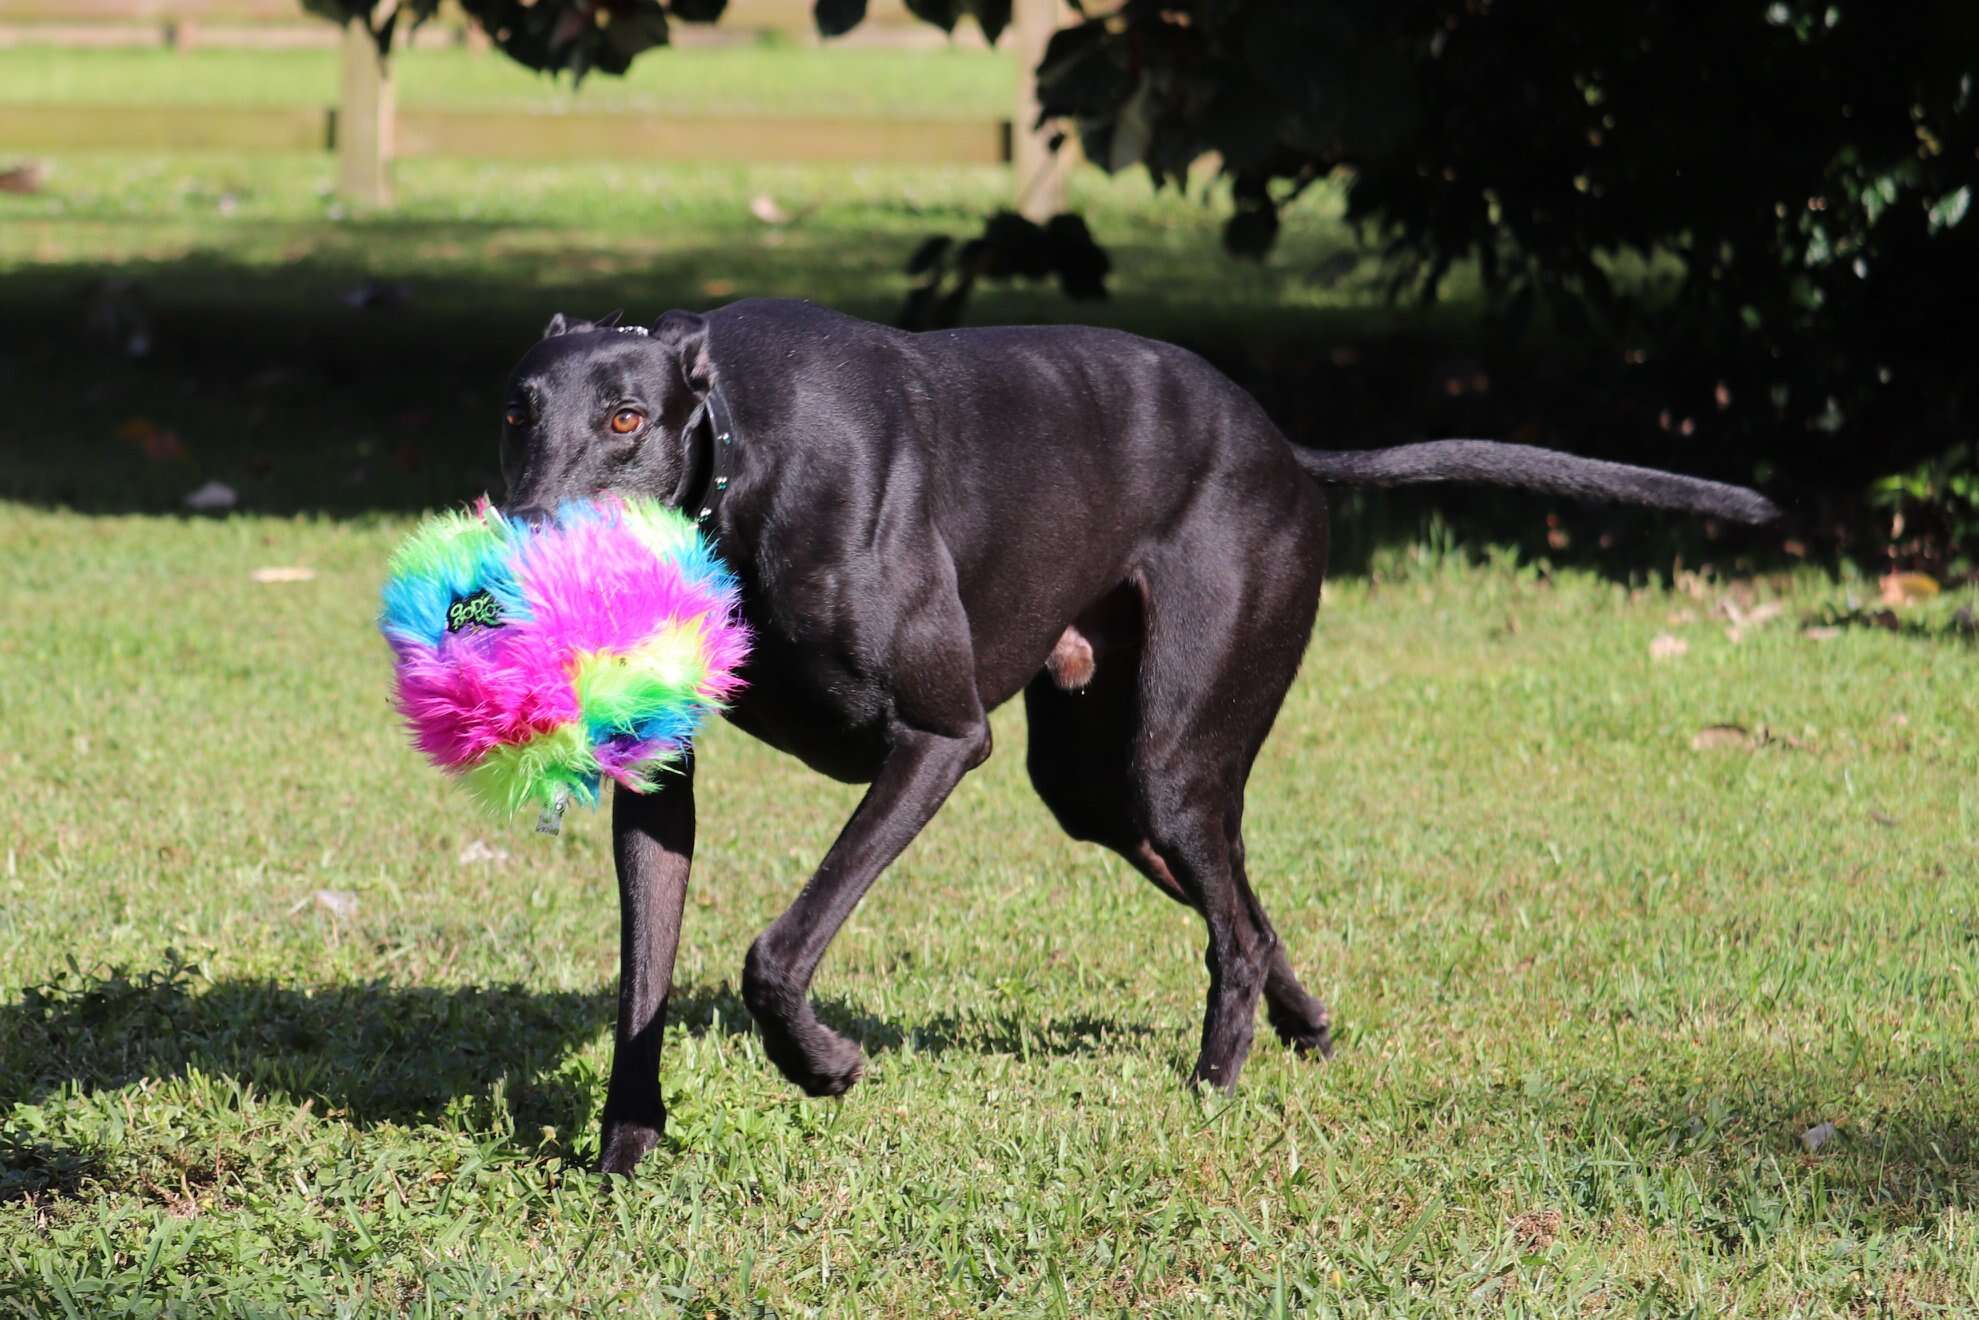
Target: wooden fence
(368, 131)
(262, 23)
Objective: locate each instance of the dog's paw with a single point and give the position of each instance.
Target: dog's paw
(816, 1058)
(625, 1144)
(1306, 1034)
(829, 1065)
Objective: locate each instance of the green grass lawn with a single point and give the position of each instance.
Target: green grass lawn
(959, 83)
(1592, 984)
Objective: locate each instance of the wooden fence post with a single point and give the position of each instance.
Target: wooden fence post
(367, 115)
(1039, 173)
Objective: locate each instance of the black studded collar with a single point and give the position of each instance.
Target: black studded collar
(721, 446)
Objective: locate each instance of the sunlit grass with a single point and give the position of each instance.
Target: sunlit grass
(1592, 984)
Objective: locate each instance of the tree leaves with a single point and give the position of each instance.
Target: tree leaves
(578, 36)
(1815, 232)
(992, 16)
(835, 18)
(1010, 247)
(1951, 208)
(941, 13)
(1133, 129)
(928, 256)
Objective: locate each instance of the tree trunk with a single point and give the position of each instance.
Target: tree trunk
(1039, 173)
(366, 119)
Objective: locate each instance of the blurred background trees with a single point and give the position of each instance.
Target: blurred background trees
(1733, 238)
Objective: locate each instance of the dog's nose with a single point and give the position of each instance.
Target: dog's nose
(530, 514)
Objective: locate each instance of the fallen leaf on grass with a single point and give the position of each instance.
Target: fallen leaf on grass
(283, 573)
(1537, 1229)
(26, 178)
(1744, 621)
(1903, 588)
(1821, 633)
(1818, 1136)
(479, 851)
(1884, 819)
(1715, 736)
(213, 497)
(377, 295)
(157, 444)
(1665, 646)
(337, 902)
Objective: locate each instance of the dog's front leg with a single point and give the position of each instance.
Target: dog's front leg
(914, 781)
(653, 846)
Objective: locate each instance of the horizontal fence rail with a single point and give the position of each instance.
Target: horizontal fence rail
(514, 135)
(368, 130)
(255, 23)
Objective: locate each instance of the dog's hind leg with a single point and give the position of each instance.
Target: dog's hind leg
(1167, 793)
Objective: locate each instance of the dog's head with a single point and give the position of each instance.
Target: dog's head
(596, 406)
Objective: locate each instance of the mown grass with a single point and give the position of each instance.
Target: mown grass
(957, 82)
(1592, 984)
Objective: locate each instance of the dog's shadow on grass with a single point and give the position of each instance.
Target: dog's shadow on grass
(484, 1058)
(488, 1059)
(370, 1052)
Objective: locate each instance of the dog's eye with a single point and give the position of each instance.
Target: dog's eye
(627, 420)
(515, 417)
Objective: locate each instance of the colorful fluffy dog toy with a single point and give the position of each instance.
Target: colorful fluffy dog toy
(535, 661)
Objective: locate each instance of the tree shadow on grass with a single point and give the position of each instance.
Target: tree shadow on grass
(266, 378)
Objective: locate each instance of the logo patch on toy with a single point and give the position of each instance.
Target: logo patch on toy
(480, 610)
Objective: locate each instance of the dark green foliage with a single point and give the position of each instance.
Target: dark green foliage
(1934, 510)
(1804, 171)
(1010, 247)
(837, 17)
(991, 15)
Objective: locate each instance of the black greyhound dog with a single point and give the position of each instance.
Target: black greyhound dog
(926, 525)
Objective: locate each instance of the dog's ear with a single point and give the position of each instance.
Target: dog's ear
(685, 336)
(559, 325)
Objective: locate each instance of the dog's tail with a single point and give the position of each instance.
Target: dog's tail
(1528, 468)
